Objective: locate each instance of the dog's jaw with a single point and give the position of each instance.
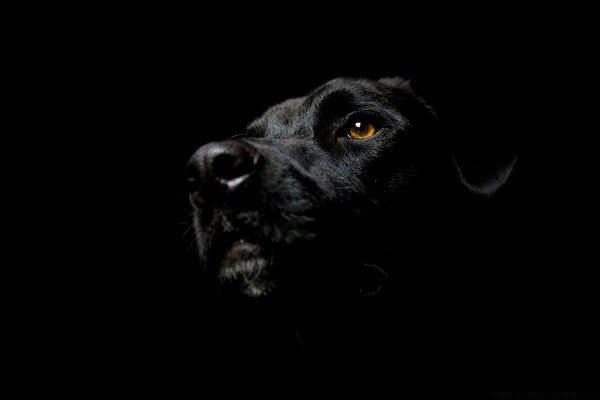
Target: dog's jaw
(245, 265)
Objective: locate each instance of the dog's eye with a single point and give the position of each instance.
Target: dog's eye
(361, 130)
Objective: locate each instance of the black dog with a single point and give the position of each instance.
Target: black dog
(321, 189)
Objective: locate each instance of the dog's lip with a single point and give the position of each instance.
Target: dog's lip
(242, 249)
(231, 250)
(240, 242)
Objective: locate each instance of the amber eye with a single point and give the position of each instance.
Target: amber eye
(361, 130)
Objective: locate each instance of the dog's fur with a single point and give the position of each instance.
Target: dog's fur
(324, 208)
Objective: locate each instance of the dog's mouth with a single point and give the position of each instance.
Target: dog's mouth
(245, 265)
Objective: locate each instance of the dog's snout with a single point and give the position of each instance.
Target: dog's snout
(221, 168)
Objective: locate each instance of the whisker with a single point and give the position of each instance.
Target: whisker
(190, 245)
(187, 231)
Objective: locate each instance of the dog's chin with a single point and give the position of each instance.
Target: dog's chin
(245, 268)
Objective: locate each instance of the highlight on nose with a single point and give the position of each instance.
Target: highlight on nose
(219, 169)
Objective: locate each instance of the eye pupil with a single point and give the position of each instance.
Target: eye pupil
(362, 130)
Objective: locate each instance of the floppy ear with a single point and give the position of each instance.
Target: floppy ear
(397, 82)
(485, 174)
(404, 86)
(481, 171)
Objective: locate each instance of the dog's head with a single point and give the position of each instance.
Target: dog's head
(308, 189)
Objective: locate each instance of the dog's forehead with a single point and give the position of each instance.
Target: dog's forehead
(294, 117)
(287, 119)
(352, 85)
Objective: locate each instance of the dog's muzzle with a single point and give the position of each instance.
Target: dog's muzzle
(218, 172)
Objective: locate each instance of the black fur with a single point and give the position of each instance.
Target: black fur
(324, 213)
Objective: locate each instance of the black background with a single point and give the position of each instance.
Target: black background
(146, 89)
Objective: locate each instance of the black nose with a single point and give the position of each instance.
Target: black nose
(219, 169)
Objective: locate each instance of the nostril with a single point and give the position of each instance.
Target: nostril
(193, 184)
(193, 177)
(218, 170)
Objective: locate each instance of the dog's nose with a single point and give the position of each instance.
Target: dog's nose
(221, 168)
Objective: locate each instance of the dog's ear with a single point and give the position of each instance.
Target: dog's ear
(483, 175)
(397, 82)
(483, 167)
(404, 86)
